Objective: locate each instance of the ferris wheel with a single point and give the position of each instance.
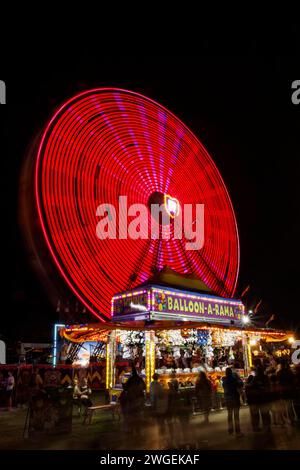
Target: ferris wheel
(107, 143)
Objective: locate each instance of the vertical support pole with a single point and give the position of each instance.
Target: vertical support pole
(147, 360)
(152, 353)
(247, 353)
(149, 357)
(107, 362)
(113, 343)
(110, 360)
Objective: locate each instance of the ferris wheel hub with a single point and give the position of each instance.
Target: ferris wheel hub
(163, 207)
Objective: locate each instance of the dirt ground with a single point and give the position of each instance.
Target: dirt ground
(104, 433)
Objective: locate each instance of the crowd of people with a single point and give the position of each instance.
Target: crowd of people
(273, 396)
(271, 391)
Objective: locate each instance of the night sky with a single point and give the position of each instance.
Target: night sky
(241, 110)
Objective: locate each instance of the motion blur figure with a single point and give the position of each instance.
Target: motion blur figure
(76, 395)
(259, 399)
(296, 401)
(204, 395)
(135, 388)
(173, 398)
(184, 410)
(277, 406)
(159, 403)
(10, 385)
(287, 382)
(232, 385)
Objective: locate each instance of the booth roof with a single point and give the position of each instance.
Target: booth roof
(167, 277)
(84, 332)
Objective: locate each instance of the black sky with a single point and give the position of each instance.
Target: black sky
(238, 106)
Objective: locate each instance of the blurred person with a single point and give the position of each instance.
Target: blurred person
(183, 411)
(203, 392)
(123, 400)
(286, 380)
(135, 388)
(156, 390)
(158, 357)
(243, 398)
(276, 402)
(186, 359)
(219, 393)
(138, 359)
(232, 385)
(77, 395)
(38, 379)
(259, 394)
(36, 382)
(177, 356)
(63, 355)
(214, 405)
(172, 402)
(250, 400)
(158, 401)
(174, 381)
(196, 359)
(85, 394)
(10, 385)
(296, 401)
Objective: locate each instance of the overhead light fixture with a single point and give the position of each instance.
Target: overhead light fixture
(245, 319)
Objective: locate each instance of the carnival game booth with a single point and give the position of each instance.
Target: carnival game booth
(164, 329)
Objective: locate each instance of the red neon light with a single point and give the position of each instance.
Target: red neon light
(109, 142)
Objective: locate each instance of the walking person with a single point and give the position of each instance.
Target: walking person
(232, 385)
(204, 394)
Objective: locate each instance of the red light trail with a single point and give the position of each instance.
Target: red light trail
(105, 143)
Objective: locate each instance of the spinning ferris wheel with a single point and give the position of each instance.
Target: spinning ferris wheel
(107, 143)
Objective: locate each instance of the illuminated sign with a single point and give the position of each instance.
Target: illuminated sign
(130, 303)
(159, 303)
